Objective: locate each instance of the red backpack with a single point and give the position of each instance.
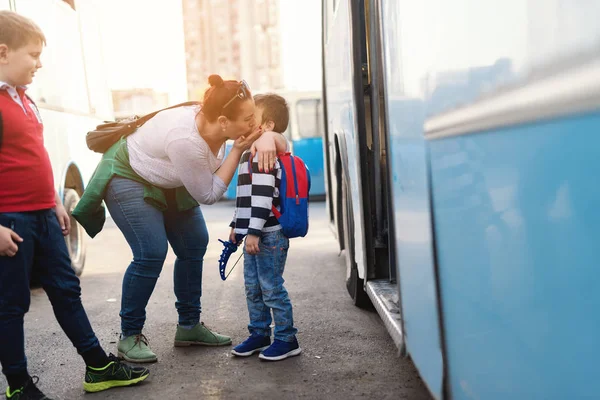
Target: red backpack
(293, 195)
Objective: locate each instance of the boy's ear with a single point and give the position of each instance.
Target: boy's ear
(269, 126)
(3, 52)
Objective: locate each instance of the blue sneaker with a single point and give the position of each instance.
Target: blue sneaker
(281, 350)
(251, 345)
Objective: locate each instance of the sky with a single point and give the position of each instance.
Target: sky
(149, 52)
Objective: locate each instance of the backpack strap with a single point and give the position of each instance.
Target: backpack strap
(296, 191)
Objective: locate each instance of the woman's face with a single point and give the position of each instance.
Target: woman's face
(245, 123)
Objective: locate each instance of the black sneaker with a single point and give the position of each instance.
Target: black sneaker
(27, 392)
(115, 374)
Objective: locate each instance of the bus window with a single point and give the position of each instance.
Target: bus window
(61, 83)
(98, 89)
(310, 118)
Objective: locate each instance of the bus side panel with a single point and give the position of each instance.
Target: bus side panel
(412, 214)
(64, 138)
(508, 204)
(517, 225)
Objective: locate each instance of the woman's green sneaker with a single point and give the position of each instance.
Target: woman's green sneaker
(199, 335)
(115, 374)
(135, 349)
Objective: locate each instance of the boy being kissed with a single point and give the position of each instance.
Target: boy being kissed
(266, 247)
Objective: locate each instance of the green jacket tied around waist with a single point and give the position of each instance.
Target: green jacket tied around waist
(90, 211)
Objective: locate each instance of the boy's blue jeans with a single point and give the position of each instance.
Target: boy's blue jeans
(263, 277)
(44, 252)
(148, 232)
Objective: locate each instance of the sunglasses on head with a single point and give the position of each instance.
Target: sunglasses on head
(243, 93)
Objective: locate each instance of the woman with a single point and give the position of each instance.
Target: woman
(169, 165)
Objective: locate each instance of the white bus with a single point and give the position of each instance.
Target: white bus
(72, 93)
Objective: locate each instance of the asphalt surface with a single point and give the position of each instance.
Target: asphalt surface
(347, 352)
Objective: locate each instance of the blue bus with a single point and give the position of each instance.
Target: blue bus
(305, 135)
(459, 152)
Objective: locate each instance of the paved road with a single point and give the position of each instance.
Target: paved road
(347, 351)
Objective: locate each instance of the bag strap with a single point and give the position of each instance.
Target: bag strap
(142, 120)
(296, 191)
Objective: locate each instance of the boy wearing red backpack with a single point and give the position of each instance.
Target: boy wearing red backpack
(266, 246)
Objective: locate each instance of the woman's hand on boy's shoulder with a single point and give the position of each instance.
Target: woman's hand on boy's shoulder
(266, 148)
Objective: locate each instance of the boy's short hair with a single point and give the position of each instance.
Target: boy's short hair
(17, 31)
(275, 109)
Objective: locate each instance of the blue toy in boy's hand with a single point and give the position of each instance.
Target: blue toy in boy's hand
(228, 250)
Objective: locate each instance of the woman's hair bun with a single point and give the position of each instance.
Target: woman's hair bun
(215, 80)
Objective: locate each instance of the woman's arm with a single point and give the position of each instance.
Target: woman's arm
(193, 168)
(281, 142)
(229, 165)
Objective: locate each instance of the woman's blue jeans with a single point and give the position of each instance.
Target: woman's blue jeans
(148, 232)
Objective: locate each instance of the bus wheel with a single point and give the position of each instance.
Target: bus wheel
(354, 284)
(75, 239)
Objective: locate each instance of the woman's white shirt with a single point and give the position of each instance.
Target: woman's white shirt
(169, 152)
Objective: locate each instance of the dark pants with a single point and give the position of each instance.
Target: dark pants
(43, 252)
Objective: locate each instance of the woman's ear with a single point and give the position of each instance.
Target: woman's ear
(223, 121)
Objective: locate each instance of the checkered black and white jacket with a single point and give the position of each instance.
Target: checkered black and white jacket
(255, 195)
